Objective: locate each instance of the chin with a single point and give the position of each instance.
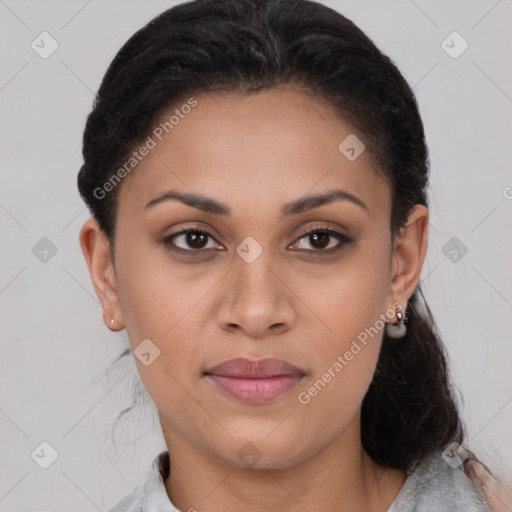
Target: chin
(265, 452)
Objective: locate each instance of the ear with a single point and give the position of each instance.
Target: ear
(409, 253)
(96, 250)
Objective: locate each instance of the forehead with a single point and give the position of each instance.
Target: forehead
(265, 147)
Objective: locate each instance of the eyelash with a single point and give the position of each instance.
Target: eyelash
(344, 239)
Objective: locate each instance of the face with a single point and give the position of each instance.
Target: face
(254, 280)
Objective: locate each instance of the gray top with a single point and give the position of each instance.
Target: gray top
(433, 486)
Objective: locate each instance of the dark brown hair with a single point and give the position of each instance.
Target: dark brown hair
(252, 45)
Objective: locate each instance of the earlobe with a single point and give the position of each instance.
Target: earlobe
(96, 250)
(409, 254)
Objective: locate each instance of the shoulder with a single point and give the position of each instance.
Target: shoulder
(150, 495)
(134, 502)
(434, 485)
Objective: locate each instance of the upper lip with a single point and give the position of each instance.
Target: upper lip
(254, 369)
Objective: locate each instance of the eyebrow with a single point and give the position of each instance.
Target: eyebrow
(210, 205)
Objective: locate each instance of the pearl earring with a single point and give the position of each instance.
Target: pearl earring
(397, 330)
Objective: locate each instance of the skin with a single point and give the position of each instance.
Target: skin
(255, 153)
(497, 493)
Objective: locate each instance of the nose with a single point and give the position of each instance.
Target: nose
(258, 301)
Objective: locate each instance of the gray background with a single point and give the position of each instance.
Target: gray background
(55, 348)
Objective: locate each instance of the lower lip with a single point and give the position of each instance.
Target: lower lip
(256, 391)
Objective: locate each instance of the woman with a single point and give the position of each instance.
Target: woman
(257, 174)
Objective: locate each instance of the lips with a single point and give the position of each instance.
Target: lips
(249, 369)
(255, 382)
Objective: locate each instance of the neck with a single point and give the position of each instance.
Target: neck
(340, 477)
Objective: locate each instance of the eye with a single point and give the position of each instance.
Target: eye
(325, 240)
(195, 240)
(192, 240)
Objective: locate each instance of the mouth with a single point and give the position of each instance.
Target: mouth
(254, 382)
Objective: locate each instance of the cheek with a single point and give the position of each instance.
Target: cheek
(334, 392)
(157, 297)
(161, 306)
(351, 305)
(350, 297)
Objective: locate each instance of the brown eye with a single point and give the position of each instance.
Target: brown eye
(324, 241)
(320, 239)
(191, 240)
